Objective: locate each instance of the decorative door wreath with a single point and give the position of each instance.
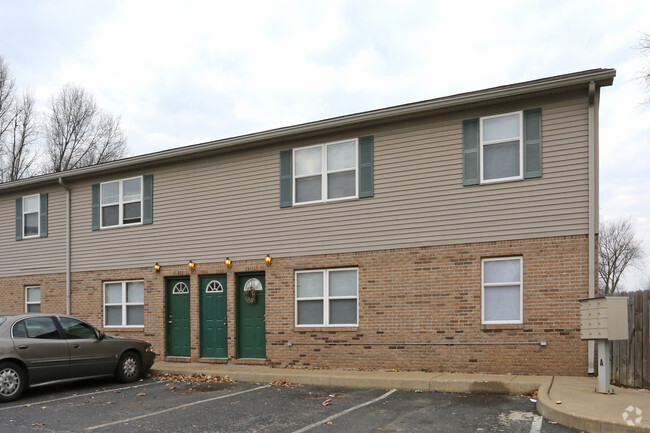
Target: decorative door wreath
(251, 288)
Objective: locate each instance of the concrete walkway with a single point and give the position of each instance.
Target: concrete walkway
(570, 401)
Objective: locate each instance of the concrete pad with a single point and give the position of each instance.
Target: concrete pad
(573, 402)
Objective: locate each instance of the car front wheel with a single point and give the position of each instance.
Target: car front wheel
(12, 381)
(129, 368)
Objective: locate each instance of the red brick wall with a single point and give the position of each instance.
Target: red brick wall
(417, 295)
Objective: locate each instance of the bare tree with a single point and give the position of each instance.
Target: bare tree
(78, 133)
(19, 154)
(18, 129)
(618, 249)
(7, 97)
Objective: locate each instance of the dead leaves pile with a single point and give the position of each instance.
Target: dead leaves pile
(199, 378)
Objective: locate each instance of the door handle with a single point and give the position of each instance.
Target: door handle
(169, 321)
(23, 346)
(76, 346)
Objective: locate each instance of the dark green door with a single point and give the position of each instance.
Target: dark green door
(251, 331)
(214, 335)
(177, 302)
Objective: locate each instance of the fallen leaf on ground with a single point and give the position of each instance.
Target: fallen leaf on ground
(142, 394)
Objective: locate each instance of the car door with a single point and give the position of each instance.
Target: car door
(39, 343)
(89, 356)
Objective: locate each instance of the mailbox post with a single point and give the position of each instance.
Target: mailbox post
(604, 319)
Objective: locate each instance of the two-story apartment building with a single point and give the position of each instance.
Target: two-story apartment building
(452, 234)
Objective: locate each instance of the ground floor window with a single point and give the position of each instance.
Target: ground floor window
(33, 299)
(124, 303)
(327, 297)
(502, 290)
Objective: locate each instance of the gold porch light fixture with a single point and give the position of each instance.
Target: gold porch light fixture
(268, 260)
(228, 262)
(191, 265)
(156, 267)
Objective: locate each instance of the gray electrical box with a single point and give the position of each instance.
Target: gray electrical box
(603, 318)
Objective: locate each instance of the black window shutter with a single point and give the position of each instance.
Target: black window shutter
(286, 178)
(147, 199)
(95, 206)
(366, 166)
(533, 143)
(43, 198)
(19, 218)
(470, 152)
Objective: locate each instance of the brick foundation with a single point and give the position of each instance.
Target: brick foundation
(418, 295)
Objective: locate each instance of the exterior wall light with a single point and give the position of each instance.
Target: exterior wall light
(228, 262)
(191, 265)
(156, 267)
(268, 259)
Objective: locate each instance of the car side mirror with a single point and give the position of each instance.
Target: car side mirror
(100, 334)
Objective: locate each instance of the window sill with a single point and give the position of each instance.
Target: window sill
(120, 226)
(314, 203)
(493, 326)
(326, 329)
(123, 329)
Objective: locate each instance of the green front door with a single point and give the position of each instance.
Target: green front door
(177, 316)
(214, 335)
(251, 330)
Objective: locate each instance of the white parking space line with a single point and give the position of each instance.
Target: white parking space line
(336, 415)
(122, 421)
(536, 427)
(77, 396)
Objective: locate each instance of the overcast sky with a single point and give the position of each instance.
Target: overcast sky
(180, 73)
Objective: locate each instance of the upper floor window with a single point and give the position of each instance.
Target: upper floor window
(31, 216)
(33, 299)
(341, 170)
(121, 202)
(125, 202)
(325, 172)
(501, 148)
(502, 290)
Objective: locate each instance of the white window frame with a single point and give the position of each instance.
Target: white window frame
(38, 216)
(326, 298)
(123, 304)
(484, 143)
(520, 284)
(324, 172)
(120, 203)
(28, 302)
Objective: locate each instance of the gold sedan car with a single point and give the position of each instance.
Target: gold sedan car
(38, 349)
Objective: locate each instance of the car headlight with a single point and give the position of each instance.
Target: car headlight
(149, 349)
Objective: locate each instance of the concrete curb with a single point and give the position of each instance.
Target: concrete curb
(405, 381)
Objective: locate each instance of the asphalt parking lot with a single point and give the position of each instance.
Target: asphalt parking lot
(162, 406)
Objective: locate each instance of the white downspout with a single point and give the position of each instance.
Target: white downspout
(593, 205)
(67, 246)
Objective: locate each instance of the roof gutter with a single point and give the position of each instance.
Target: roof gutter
(68, 271)
(601, 77)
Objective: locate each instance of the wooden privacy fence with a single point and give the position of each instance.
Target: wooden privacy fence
(630, 366)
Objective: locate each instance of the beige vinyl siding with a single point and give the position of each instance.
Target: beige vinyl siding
(33, 255)
(228, 205)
